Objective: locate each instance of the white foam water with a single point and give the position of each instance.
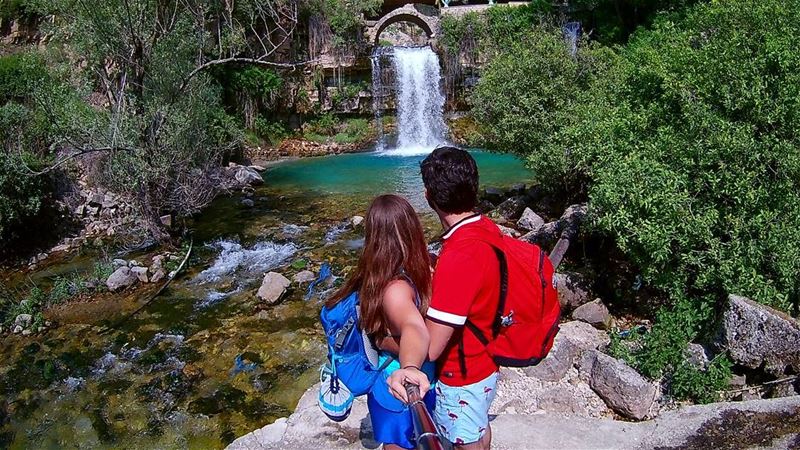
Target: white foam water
(420, 102)
(233, 258)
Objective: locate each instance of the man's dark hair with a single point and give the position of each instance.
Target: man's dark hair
(451, 177)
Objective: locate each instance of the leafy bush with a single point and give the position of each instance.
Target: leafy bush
(686, 145)
(701, 385)
(22, 196)
(529, 92)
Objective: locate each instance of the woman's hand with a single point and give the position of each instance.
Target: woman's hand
(398, 380)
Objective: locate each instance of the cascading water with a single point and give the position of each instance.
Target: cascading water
(419, 100)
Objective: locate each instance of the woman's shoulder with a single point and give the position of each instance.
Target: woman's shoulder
(399, 289)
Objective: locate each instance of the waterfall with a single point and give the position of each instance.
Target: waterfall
(419, 100)
(572, 31)
(378, 95)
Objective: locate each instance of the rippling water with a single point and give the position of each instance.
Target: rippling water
(205, 362)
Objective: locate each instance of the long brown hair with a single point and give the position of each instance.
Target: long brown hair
(394, 242)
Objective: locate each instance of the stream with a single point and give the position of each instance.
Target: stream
(206, 362)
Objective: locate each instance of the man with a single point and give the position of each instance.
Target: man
(466, 284)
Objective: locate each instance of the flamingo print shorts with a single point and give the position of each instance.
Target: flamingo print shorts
(462, 412)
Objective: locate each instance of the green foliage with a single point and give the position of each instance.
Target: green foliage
(347, 92)
(529, 92)
(254, 81)
(21, 195)
(345, 18)
(701, 385)
(327, 128)
(19, 76)
(685, 142)
(492, 30)
(17, 9)
(273, 132)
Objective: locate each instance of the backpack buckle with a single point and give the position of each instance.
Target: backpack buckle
(508, 320)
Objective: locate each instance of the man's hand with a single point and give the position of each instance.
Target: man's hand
(399, 378)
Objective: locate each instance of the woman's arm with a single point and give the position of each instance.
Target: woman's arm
(405, 319)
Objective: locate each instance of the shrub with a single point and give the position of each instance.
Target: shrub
(687, 149)
(22, 196)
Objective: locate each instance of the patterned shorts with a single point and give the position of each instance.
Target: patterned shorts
(462, 412)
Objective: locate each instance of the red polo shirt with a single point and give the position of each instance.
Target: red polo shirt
(466, 284)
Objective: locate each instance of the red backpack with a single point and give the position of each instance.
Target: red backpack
(528, 310)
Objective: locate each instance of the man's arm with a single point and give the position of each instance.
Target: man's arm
(440, 335)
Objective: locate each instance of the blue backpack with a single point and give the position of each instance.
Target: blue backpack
(352, 366)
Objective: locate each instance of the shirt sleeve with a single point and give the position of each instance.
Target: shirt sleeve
(457, 282)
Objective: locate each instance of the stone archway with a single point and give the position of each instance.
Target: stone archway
(424, 16)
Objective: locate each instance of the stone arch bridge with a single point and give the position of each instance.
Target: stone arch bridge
(422, 15)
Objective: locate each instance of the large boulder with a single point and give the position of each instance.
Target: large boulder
(574, 290)
(141, 273)
(624, 390)
(572, 219)
(247, 176)
(306, 276)
(757, 335)
(530, 220)
(273, 287)
(120, 279)
(544, 235)
(594, 313)
(572, 340)
(510, 209)
(23, 320)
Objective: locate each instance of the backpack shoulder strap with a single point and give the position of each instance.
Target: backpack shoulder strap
(417, 299)
(501, 304)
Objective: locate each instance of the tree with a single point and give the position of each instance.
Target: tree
(688, 149)
(163, 129)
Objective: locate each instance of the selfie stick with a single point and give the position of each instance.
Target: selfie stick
(424, 429)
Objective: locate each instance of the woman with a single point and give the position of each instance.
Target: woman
(393, 280)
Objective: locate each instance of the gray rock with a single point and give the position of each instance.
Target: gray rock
(26, 332)
(509, 231)
(158, 276)
(530, 220)
(120, 279)
(356, 221)
(737, 381)
(556, 364)
(80, 210)
(572, 219)
(696, 355)
(623, 389)
(594, 313)
(96, 200)
(23, 320)
(544, 235)
(141, 273)
(257, 168)
(755, 334)
(166, 220)
(119, 263)
(248, 203)
(273, 287)
(518, 189)
(493, 194)
(510, 209)
(92, 211)
(573, 339)
(109, 201)
(573, 290)
(583, 335)
(248, 176)
(305, 276)
(17, 329)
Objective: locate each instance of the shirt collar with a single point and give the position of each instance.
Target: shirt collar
(465, 221)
